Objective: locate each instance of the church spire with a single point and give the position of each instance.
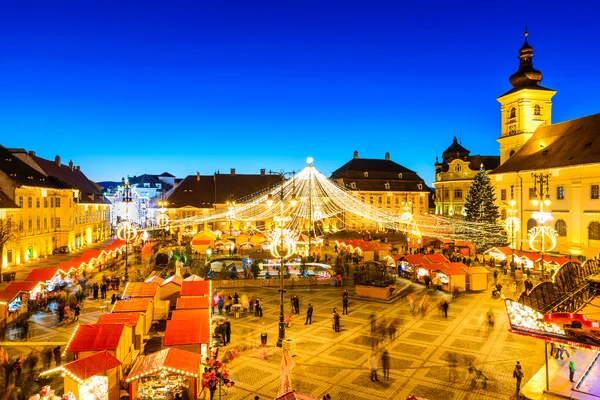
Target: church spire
(526, 75)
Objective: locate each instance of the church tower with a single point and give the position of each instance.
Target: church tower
(525, 107)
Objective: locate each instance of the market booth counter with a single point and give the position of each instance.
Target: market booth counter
(140, 305)
(170, 289)
(189, 330)
(94, 377)
(134, 321)
(90, 339)
(195, 288)
(148, 290)
(14, 300)
(477, 278)
(164, 374)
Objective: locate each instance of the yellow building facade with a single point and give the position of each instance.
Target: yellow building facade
(568, 153)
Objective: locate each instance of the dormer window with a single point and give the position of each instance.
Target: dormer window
(536, 110)
(513, 113)
(366, 174)
(420, 186)
(387, 185)
(353, 185)
(457, 168)
(400, 175)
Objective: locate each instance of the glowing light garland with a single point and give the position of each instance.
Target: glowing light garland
(126, 231)
(324, 199)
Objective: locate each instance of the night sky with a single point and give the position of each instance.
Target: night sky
(148, 87)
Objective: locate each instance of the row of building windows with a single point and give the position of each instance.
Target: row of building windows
(54, 224)
(83, 218)
(54, 202)
(561, 228)
(537, 110)
(560, 193)
(458, 194)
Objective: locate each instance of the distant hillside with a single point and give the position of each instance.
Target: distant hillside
(108, 184)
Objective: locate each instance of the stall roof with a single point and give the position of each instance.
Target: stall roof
(415, 259)
(455, 268)
(193, 331)
(95, 364)
(563, 260)
(183, 315)
(129, 319)
(532, 256)
(293, 395)
(95, 338)
(176, 279)
(437, 258)
(133, 305)
(15, 288)
(155, 279)
(195, 288)
(44, 274)
(193, 278)
(434, 267)
(171, 358)
(475, 270)
(186, 303)
(140, 289)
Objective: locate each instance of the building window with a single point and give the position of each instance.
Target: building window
(503, 194)
(371, 199)
(420, 186)
(51, 223)
(9, 256)
(380, 200)
(446, 194)
(532, 194)
(536, 110)
(513, 113)
(21, 201)
(560, 193)
(51, 202)
(37, 202)
(457, 168)
(353, 185)
(400, 175)
(397, 200)
(595, 194)
(387, 185)
(366, 174)
(57, 222)
(512, 153)
(531, 223)
(30, 225)
(37, 224)
(30, 202)
(20, 225)
(503, 214)
(594, 231)
(458, 193)
(561, 227)
(45, 202)
(57, 202)
(45, 223)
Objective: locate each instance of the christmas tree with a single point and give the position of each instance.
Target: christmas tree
(480, 202)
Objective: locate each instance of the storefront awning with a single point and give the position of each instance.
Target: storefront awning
(195, 288)
(171, 359)
(87, 367)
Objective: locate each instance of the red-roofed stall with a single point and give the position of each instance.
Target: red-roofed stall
(149, 290)
(91, 339)
(136, 321)
(189, 330)
(14, 299)
(436, 258)
(407, 264)
(51, 277)
(164, 374)
(139, 305)
(477, 278)
(170, 289)
(94, 377)
(196, 288)
(156, 279)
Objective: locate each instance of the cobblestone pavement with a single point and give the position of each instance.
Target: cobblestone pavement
(429, 357)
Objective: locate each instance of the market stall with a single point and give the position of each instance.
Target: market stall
(136, 321)
(407, 264)
(193, 303)
(14, 299)
(148, 290)
(90, 339)
(170, 289)
(436, 258)
(94, 377)
(189, 330)
(140, 305)
(164, 374)
(196, 288)
(477, 278)
(53, 278)
(452, 276)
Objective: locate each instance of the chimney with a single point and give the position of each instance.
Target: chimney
(71, 165)
(198, 175)
(77, 167)
(32, 153)
(355, 154)
(262, 172)
(57, 160)
(232, 171)
(387, 156)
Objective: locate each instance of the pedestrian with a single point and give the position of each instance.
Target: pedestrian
(95, 288)
(297, 304)
(256, 308)
(495, 276)
(385, 364)
(77, 311)
(260, 308)
(220, 303)
(57, 355)
(113, 299)
(16, 367)
(445, 306)
(47, 356)
(236, 298)
(373, 365)
(392, 331)
(513, 289)
(336, 322)
(309, 313)
(372, 319)
(345, 305)
(518, 375)
(8, 369)
(571, 371)
(426, 279)
(103, 290)
(227, 335)
(25, 332)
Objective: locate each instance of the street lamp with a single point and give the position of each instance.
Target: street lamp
(542, 198)
(512, 223)
(282, 246)
(230, 214)
(126, 231)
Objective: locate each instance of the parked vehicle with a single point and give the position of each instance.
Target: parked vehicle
(61, 250)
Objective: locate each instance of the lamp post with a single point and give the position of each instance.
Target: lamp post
(512, 224)
(282, 240)
(127, 231)
(541, 198)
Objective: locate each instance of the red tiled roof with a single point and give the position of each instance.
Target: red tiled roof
(193, 278)
(437, 258)
(191, 332)
(15, 288)
(95, 364)
(156, 279)
(195, 288)
(140, 289)
(133, 305)
(129, 319)
(184, 303)
(96, 338)
(560, 261)
(532, 256)
(43, 274)
(173, 358)
(176, 279)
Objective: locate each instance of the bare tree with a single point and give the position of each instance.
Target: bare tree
(8, 233)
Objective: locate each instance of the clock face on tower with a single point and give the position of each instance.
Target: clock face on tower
(512, 130)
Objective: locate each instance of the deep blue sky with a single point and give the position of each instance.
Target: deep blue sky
(145, 87)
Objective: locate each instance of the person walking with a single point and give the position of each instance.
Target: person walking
(373, 365)
(297, 305)
(227, 335)
(95, 288)
(372, 319)
(47, 356)
(385, 364)
(445, 306)
(309, 313)
(16, 367)
(495, 276)
(220, 303)
(336, 322)
(513, 289)
(57, 355)
(256, 308)
(571, 371)
(77, 312)
(427, 280)
(518, 375)
(345, 305)
(260, 308)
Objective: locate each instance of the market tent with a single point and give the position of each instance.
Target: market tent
(170, 359)
(198, 314)
(193, 278)
(195, 288)
(186, 303)
(100, 371)
(90, 339)
(477, 278)
(560, 261)
(136, 321)
(86, 367)
(141, 289)
(175, 279)
(414, 259)
(16, 290)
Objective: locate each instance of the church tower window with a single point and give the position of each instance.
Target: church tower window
(513, 113)
(536, 110)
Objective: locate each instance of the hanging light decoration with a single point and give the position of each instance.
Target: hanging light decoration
(126, 231)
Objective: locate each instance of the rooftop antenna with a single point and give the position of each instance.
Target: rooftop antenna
(460, 136)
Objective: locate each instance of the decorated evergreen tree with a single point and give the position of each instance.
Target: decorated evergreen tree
(479, 204)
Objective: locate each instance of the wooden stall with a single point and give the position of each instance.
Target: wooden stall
(193, 303)
(142, 305)
(136, 321)
(170, 289)
(189, 330)
(477, 278)
(14, 300)
(91, 339)
(196, 288)
(97, 376)
(148, 290)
